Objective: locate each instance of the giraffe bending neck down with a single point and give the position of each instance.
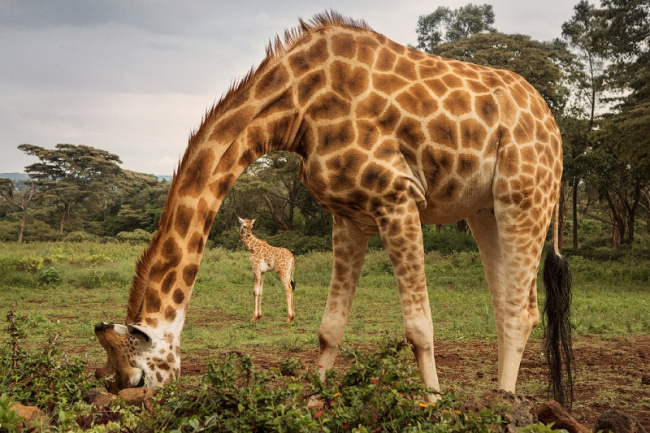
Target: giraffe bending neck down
(389, 138)
(264, 258)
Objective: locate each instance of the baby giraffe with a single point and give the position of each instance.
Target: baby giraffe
(264, 258)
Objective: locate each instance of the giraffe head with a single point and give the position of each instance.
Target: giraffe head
(246, 226)
(137, 355)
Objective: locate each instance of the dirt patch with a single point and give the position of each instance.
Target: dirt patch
(611, 374)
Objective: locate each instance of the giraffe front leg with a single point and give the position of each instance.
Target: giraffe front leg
(257, 292)
(349, 246)
(401, 234)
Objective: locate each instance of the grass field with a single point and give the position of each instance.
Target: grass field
(67, 288)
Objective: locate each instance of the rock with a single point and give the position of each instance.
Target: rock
(618, 422)
(519, 410)
(553, 412)
(100, 397)
(135, 396)
(35, 419)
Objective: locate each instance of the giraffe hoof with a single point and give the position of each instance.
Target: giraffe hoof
(290, 319)
(256, 318)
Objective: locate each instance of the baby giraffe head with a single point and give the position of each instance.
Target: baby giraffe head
(246, 226)
(137, 355)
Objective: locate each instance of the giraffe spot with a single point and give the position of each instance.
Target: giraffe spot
(385, 60)
(171, 358)
(159, 377)
(197, 174)
(348, 81)
(178, 296)
(450, 190)
(220, 188)
(406, 68)
(388, 83)
(443, 131)
(388, 119)
(182, 220)
(333, 137)
(189, 274)
(170, 313)
(171, 251)
(168, 282)
(368, 134)
(417, 101)
(343, 45)
(458, 102)
(310, 85)
(329, 106)
(228, 127)
(306, 60)
(375, 178)
(410, 132)
(452, 81)
(196, 243)
(541, 134)
(520, 95)
(153, 322)
(152, 301)
(357, 200)
(467, 164)
(437, 86)
(487, 109)
(528, 154)
(344, 169)
(473, 134)
(371, 106)
(271, 81)
(509, 161)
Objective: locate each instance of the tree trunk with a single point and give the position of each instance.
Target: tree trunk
(574, 204)
(462, 226)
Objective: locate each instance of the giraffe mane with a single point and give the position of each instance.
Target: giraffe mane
(276, 48)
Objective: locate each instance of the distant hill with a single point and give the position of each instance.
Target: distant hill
(15, 176)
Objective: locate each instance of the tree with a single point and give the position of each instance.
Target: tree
(18, 202)
(446, 25)
(72, 174)
(581, 34)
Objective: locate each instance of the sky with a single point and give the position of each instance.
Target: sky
(135, 77)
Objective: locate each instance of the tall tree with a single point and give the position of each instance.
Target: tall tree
(446, 25)
(72, 174)
(581, 34)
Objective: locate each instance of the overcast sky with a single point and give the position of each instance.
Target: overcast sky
(134, 77)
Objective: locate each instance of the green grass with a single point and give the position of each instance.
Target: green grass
(608, 297)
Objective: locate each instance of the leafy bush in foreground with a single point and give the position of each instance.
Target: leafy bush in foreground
(379, 391)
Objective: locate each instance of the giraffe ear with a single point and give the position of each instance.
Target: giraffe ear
(241, 220)
(252, 222)
(140, 332)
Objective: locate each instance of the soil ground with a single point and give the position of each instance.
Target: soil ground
(610, 374)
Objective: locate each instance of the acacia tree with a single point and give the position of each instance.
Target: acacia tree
(70, 175)
(446, 25)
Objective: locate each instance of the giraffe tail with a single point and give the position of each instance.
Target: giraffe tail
(557, 312)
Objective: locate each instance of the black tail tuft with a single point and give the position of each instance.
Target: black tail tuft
(293, 285)
(557, 311)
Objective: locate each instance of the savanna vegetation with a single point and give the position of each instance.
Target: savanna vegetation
(71, 232)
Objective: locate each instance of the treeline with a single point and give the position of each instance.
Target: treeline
(595, 78)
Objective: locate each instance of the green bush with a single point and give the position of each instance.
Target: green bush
(50, 276)
(137, 236)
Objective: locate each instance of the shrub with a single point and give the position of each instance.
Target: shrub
(137, 236)
(50, 276)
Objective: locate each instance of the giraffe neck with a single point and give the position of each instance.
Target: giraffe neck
(234, 134)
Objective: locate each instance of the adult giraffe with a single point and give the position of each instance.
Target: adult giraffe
(390, 138)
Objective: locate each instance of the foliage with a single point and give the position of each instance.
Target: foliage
(50, 276)
(446, 25)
